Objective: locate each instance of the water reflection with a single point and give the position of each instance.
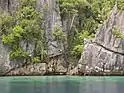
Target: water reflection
(62, 85)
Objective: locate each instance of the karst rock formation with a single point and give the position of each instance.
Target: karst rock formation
(104, 55)
(56, 62)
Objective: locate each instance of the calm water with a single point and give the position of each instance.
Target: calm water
(61, 84)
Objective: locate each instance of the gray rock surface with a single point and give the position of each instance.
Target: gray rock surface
(105, 53)
(4, 58)
(5, 64)
(28, 47)
(8, 6)
(56, 63)
(55, 48)
(32, 69)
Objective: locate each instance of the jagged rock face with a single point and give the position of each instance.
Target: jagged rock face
(32, 69)
(28, 47)
(8, 5)
(55, 49)
(4, 5)
(5, 64)
(105, 53)
(51, 18)
(4, 58)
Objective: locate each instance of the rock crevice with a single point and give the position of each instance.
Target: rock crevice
(105, 53)
(108, 49)
(56, 61)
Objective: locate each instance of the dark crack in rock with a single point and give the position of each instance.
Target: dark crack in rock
(104, 55)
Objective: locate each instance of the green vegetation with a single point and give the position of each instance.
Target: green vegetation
(36, 60)
(80, 19)
(6, 23)
(116, 32)
(58, 34)
(26, 27)
(83, 17)
(120, 4)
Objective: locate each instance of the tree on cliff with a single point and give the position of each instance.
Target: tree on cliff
(80, 19)
(23, 26)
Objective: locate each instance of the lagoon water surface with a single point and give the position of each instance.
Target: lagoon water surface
(61, 84)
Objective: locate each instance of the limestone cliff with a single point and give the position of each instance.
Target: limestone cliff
(56, 62)
(55, 49)
(5, 63)
(102, 55)
(105, 53)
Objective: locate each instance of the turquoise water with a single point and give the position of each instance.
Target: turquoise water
(61, 84)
